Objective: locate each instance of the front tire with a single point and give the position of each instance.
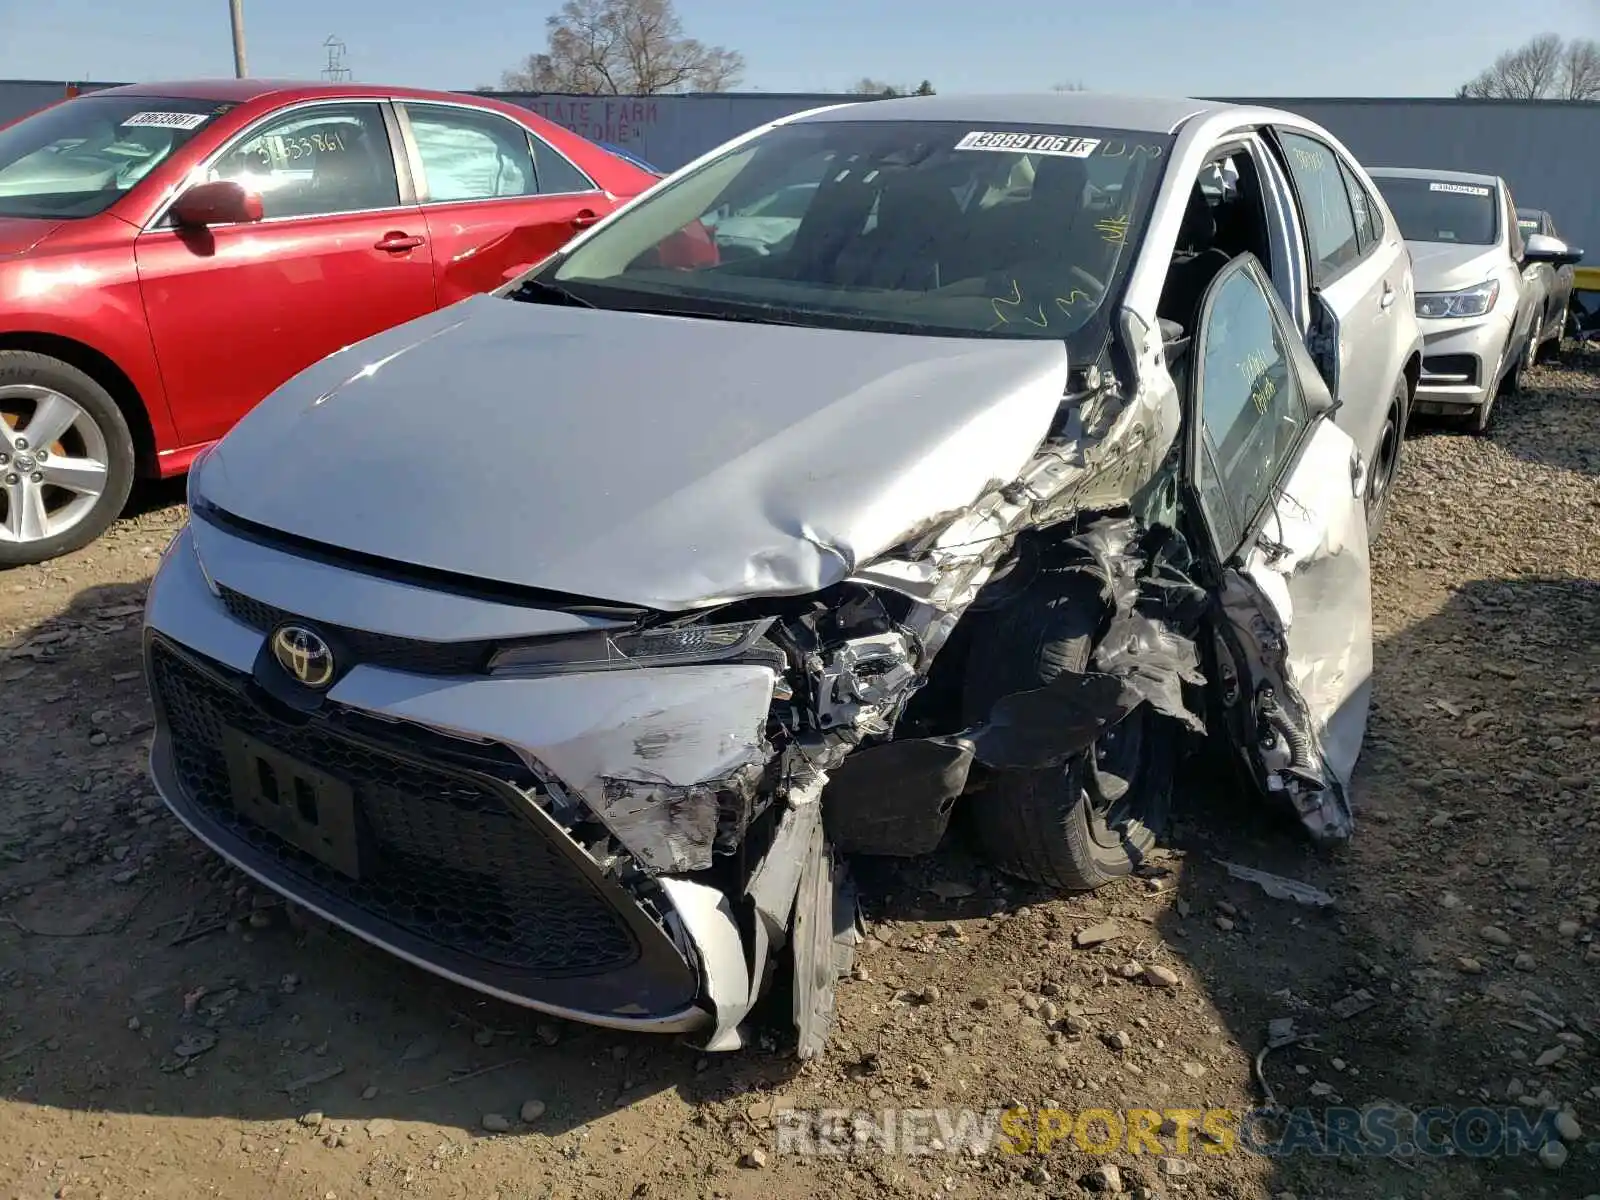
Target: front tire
(1517, 378)
(66, 458)
(1079, 826)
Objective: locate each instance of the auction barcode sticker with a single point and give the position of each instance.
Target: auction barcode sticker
(1459, 189)
(1059, 145)
(169, 120)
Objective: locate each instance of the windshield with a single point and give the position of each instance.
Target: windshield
(1431, 210)
(79, 158)
(911, 227)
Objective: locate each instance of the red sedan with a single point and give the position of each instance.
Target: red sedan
(171, 253)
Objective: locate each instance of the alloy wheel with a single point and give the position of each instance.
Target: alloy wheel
(54, 463)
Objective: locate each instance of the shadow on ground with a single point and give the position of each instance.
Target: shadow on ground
(1469, 815)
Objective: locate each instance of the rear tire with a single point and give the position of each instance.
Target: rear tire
(1386, 459)
(1550, 351)
(1093, 820)
(99, 433)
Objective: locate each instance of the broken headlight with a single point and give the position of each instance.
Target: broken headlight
(1468, 302)
(668, 646)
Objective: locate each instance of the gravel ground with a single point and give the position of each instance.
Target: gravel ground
(167, 1030)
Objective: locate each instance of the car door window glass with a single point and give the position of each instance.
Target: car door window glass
(1329, 217)
(1369, 231)
(1252, 410)
(469, 155)
(316, 161)
(556, 174)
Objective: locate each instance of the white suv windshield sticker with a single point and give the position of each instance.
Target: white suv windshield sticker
(1059, 145)
(1459, 189)
(169, 120)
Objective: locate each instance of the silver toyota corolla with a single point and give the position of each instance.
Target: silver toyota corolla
(560, 641)
(1482, 292)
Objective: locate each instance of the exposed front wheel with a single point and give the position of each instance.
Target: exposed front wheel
(66, 458)
(1094, 819)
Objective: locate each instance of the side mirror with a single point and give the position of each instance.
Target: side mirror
(1541, 248)
(220, 203)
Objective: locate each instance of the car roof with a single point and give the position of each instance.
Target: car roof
(1531, 214)
(1140, 114)
(240, 91)
(1442, 176)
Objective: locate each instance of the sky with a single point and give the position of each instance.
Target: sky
(1268, 48)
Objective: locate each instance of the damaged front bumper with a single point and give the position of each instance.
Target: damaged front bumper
(472, 843)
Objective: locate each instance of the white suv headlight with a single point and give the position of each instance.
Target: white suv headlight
(1474, 301)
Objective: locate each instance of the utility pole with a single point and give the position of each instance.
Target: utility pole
(335, 71)
(236, 11)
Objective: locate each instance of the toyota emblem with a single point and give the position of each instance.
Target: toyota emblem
(304, 655)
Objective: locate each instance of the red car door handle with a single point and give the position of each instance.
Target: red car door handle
(585, 218)
(396, 242)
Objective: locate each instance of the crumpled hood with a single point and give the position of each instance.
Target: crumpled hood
(18, 235)
(1447, 266)
(661, 461)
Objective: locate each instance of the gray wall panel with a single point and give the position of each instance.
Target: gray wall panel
(1549, 151)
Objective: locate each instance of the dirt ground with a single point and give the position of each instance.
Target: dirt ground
(168, 1030)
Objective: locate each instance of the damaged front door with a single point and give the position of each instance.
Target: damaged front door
(1278, 489)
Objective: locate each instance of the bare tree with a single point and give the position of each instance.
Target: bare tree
(1580, 70)
(867, 86)
(623, 47)
(1542, 68)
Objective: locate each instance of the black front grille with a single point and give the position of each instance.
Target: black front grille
(375, 649)
(447, 858)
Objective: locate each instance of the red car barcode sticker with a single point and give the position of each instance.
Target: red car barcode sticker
(1060, 145)
(168, 120)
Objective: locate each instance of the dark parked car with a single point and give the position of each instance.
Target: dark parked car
(1558, 278)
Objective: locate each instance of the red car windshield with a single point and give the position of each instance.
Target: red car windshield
(77, 159)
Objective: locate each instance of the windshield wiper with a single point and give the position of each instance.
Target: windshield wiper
(541, 291)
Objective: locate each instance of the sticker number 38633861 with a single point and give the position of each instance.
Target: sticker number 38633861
(1060, 145)
(168, 120)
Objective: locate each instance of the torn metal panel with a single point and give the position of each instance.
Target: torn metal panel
(1105, 452)
(1301, 610)
(1279, 887)
(671, 827)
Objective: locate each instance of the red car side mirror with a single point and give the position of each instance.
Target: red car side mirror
(221, 203)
